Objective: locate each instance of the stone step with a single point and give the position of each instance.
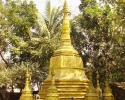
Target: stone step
(78, 97)
(63, 85)
(66, 89)
(75, 98)
(68, 83)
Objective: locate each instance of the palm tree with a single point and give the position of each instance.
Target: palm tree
(51, 21)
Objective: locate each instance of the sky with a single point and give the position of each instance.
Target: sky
(73, 5)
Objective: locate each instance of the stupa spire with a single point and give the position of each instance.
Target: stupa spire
(65, 42)
(65, 37)
(27, 92)
(27, 83)
(107, 95)
(65, 7)
(98, 89)
(52, 77)
(52, 93)
(91, 91)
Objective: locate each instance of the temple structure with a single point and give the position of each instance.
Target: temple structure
(98, 89)
(52, 92)
(91, 91)
(70, 78)
(107, 95)
(27, 92)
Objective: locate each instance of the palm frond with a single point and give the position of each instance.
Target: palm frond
(48, 9)
(42, 24)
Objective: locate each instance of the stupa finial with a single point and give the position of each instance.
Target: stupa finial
(52, 93)
(107, 80)
(91, 92)
(27, 92)
(97, 78)
(65, 7)
(90, 75)
(27, 79)
(65, 37)
(107, 95)
(52, 77)
(98, 89)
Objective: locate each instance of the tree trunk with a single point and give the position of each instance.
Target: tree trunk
(3, 59)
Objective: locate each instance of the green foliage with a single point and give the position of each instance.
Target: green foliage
(53, 20)
(3, 28)
(98, 34)
(15, 76)
(30, 37)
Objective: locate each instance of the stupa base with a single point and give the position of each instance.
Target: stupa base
(67, 89)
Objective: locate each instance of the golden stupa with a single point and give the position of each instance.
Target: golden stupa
(27, 92)
(52, 92)
(91, 91)
(70, 78)
(107, 95)
(98, 89)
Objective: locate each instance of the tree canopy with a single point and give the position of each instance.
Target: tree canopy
(98, 34)
(29, 36)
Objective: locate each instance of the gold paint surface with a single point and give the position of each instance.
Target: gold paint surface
(91, 91)
(52, 92)
(107, 95)
(98, 89)
(27, 92)
(70, 78)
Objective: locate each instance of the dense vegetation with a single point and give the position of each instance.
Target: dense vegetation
(31, 39)
(97, 34)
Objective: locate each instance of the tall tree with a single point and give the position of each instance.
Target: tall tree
(52, 18)
(3, 31)
(32, 38)
(100, 34)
